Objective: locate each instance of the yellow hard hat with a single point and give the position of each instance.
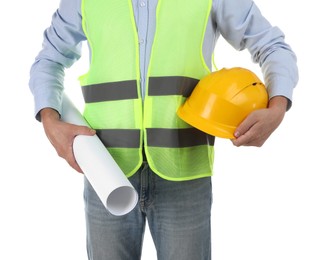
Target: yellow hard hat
(222, 100)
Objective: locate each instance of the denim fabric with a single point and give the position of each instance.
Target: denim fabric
(178, 215)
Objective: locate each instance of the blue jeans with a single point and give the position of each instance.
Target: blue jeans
(178, 215)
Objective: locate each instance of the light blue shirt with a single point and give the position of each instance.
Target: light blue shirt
(239, 22)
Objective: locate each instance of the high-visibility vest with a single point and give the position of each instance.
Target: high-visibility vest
(111, 88)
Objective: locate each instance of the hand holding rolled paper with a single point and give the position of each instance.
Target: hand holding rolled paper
(109, 182)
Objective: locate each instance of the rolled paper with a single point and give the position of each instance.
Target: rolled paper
(107, 179)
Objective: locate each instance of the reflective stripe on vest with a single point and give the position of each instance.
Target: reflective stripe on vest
(111, 89)
(158, 137)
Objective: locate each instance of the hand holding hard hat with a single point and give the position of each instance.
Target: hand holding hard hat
(222, 100)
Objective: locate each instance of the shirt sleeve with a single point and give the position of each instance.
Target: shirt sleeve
(62, 43)
(242, 24)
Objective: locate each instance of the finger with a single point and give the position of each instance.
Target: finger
(244, 126)
(72, 161)
(244, 139)
(246, 133)
(251, 138)
(75, 166)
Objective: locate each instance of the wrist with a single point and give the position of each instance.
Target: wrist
(48, 114)
(279, 103)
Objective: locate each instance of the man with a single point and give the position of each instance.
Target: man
(145, 58)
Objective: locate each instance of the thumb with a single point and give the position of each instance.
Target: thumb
(84, 130)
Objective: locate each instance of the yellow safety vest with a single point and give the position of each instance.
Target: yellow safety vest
(111, 88)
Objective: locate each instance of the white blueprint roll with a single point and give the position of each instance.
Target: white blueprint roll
(109, 182)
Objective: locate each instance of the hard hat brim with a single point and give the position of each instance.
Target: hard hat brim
(216, 129)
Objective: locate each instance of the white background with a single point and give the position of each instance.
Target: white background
(267, 201)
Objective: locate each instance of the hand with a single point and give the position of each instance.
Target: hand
(61, 135)
(260, 124)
